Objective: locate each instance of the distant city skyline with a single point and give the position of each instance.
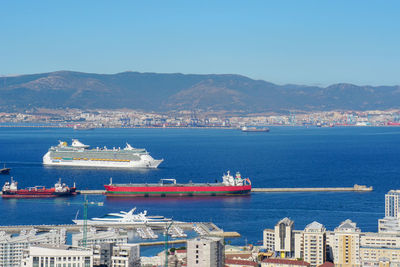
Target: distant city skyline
(297, 42)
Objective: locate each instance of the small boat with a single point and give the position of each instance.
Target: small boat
(5, 170)
(10, 190)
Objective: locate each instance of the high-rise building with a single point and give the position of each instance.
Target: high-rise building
(346, 247)
(284, 240)
(391, 222)
(314, 244)
(392, 204)
(205, 252)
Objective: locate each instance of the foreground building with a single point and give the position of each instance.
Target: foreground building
(61, 255)
(283, 263)
(12, 247)
(205, 252)
(346, 246)
(284, 239)
(314, 244)
(100, 237)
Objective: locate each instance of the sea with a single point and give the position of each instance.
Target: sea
(284, 157)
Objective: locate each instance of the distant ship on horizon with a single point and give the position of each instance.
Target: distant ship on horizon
(254, 129)
(79, 155)
(79, 127)
(5, 170)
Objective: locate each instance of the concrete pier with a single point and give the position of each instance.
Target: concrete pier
(355, 188)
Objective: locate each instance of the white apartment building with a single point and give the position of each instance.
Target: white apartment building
(392, 204)
(12, 247)
(269, 239)
(57, 256)
(284, 239)
(125, 255)
(391, 222)
(205, 252)
(100, 237)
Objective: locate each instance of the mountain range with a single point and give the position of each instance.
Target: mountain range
(176, 92)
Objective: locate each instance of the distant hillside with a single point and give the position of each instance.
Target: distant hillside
(174, 92)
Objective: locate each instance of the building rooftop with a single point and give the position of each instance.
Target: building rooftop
(327, 264)
(287, 262)
(286, 221)
(240, 262)
(315, 226)
(348, 226)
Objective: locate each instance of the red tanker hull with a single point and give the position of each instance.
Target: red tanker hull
(175, 190)
(39, 193)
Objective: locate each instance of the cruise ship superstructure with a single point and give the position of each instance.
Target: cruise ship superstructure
(78, 154)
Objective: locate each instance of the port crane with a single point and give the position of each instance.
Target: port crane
(166, 242)
(85, 204)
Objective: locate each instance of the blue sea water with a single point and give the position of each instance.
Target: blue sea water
(284, 157)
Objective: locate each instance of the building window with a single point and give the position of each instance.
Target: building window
(87, 262)
(35, 262)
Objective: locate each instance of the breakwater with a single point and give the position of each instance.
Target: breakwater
(355, 188)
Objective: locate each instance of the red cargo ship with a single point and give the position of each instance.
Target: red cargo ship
(10, 190)
(168, 187)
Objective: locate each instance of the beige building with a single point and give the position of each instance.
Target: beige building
(314, 244)
(205, 252)
(346, 245)
(380, 256)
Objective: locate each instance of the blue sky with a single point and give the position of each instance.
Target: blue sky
(299, 41)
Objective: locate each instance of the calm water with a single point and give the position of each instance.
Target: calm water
(285, 157)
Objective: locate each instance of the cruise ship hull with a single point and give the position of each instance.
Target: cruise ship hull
(175, 190)
(101, 163)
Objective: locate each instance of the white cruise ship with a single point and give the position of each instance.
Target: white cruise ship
(78, 154)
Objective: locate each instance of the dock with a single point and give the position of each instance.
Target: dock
(355, 188)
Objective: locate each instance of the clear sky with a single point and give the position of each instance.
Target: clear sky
(308, 42)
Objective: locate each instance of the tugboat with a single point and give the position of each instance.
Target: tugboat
(10, 190)
(5, 170)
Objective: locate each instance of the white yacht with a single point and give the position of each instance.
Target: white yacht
(124, 217)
